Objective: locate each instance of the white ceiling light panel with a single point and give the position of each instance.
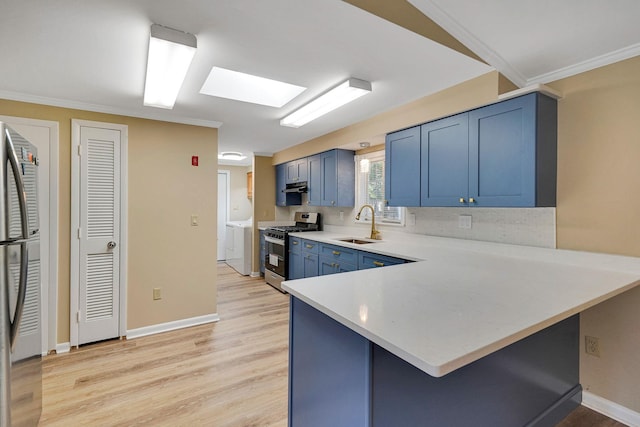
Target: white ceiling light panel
(239, 86)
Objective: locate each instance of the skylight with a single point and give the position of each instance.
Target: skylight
(238, 86)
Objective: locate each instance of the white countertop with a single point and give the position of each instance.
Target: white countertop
(464, 299)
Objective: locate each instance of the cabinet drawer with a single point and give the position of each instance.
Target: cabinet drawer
(309, 246)
(328, 265)
(369, 260)
(295, 245)
(338, 253)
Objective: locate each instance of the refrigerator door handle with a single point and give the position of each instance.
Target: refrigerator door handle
(24, 254)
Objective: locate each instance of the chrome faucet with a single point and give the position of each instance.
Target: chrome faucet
(375, 234)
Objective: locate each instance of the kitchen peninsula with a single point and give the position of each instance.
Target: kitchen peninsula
(474, 333)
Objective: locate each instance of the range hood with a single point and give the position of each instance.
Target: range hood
(298, 187)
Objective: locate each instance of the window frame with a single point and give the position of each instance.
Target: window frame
(361, 199)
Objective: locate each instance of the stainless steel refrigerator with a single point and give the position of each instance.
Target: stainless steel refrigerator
(20, 284)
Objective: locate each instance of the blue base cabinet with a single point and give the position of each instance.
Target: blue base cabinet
(328, 371)
(338, 378)
(500, 155)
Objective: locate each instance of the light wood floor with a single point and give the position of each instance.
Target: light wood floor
(228, 374)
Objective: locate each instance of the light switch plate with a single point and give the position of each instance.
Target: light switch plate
(464, 221)
(194, 220)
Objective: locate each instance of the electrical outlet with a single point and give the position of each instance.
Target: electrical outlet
(341, 215)
(592, 346)
(157, 294)
(464, 221)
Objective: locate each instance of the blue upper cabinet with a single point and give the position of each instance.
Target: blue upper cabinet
(444, 161)
(314, 180)
(282, 198)
(512, 153)
(296, 171)
(501, 155)
(337, 171)
(402, 167)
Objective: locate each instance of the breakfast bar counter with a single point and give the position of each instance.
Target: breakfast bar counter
(472, 333)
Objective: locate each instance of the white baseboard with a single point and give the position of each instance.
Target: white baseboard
(255, 274)
(171, 326)
(64, 347)
(611, 409)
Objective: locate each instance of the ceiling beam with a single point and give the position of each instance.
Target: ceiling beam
(404, 14)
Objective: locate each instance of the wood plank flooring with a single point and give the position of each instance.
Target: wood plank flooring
(229, 374)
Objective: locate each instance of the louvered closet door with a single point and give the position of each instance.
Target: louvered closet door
(98, 317)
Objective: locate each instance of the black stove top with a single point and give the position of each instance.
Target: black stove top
(295, 228)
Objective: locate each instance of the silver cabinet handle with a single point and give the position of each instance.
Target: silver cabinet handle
(111, 245)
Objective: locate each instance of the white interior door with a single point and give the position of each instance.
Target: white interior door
(223, 211)
(44, 135)
(98, 315)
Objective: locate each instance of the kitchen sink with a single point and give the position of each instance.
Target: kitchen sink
(357, 241)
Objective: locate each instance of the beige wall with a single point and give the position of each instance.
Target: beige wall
(240, 206)
(163, 249)
(264, 201)
(598, 209)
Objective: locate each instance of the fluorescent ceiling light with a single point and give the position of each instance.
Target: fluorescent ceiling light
(239, 86)
(170, 55)
(231, 155)
(336, 97)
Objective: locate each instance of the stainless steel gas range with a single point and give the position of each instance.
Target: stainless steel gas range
(277, 246)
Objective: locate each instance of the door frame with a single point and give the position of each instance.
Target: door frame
(74, 292)
(49, 294)
(226, 172)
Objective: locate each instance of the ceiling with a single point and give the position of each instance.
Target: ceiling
(91, 54)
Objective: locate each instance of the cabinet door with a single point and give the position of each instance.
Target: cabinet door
(402, 168)
(296, 171)
(296, 266)
(502, 153)
(329, 172)
(346, 181)
(281, 197)
(310, 263)
(314, 180)
(444, 159)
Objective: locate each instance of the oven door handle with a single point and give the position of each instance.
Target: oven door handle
(274, 241)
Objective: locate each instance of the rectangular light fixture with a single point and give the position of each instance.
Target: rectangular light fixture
(170, 55)
(338, 96)
(244, 87)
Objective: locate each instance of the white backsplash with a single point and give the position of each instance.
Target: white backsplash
(518, 226)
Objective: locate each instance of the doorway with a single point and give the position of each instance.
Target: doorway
(223, 211)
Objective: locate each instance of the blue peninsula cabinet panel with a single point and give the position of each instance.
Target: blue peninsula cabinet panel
(339, 378)
(402, 167)
(512, 149)
(444, 160)
(328, 371)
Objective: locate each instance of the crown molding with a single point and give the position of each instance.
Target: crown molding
(96, 108)
(588, 65)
